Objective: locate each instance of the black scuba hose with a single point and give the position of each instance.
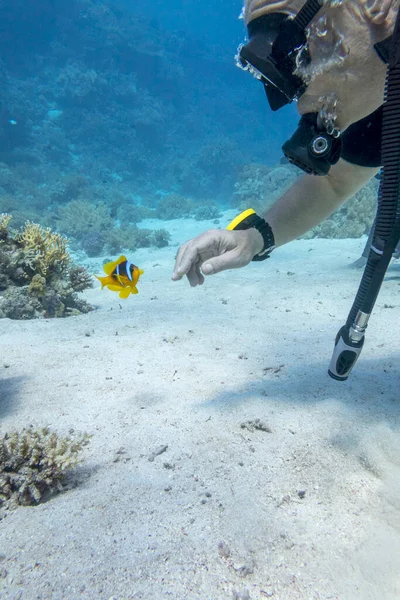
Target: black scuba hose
(387, 232)
(350, 338)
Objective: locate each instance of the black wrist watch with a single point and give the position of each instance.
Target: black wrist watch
(248, 219)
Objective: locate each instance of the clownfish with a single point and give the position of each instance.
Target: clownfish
(122, 277)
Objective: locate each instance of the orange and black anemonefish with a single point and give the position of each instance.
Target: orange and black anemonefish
(122, 277)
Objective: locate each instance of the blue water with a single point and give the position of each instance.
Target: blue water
(134, 96)
(224, 462)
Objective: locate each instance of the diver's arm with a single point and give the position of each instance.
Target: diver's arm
(308, 202)
(311, 199)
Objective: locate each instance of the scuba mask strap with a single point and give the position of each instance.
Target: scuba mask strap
(307, 13)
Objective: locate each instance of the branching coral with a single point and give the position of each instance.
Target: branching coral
(49, 249)
(34, 463)
(36, 275)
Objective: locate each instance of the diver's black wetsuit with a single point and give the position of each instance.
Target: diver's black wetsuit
(361, 142)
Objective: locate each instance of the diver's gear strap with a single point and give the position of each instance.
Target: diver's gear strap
(383, 48)
(248, 219)
(307, 13)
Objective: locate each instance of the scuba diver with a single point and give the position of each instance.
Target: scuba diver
(340, 61)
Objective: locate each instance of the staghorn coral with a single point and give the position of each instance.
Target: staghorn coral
(37, 277)
(48, 249)
(35, 462)
(121, 238)
(130, 213)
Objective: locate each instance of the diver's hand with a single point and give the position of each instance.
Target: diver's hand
(216, 250)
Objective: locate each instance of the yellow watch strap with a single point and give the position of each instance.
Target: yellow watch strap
(243, 215)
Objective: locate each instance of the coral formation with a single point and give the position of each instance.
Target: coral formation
(174, 206)
(34, 463)
(89, 108)
(207, 212)
(86, 135)
(37, 277)
(47, 250)
(132, 237)
(4, 221)
(80, 218)
(258, 186)
(160, 238)
(95, 231)
(354, 218)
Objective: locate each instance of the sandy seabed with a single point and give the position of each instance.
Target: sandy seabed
(224, 463)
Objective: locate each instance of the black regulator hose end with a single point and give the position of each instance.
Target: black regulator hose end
(345, 355)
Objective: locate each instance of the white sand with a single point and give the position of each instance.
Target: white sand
(186, 368)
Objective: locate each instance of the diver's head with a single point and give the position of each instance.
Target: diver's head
(340, 75)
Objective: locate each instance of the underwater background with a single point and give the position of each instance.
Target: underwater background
(181, 443)
(114, 111)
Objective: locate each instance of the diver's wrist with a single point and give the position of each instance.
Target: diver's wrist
(248, 219)
(256, 239)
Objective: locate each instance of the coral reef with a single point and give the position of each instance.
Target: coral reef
(174, 206)
(160, 238)
(207, 212)
(4, 221)
(80, 218)
(37, 277)
(353, 219)
(79, 97)
(132, 238)
(46, 252)
(34, 463)
(258, 186)
(93, 243)
(95, 231)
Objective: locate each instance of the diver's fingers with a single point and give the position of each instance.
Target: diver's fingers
(189, 254)
(185, 259)
(179, 272)
(195, 276)
(233, 259)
